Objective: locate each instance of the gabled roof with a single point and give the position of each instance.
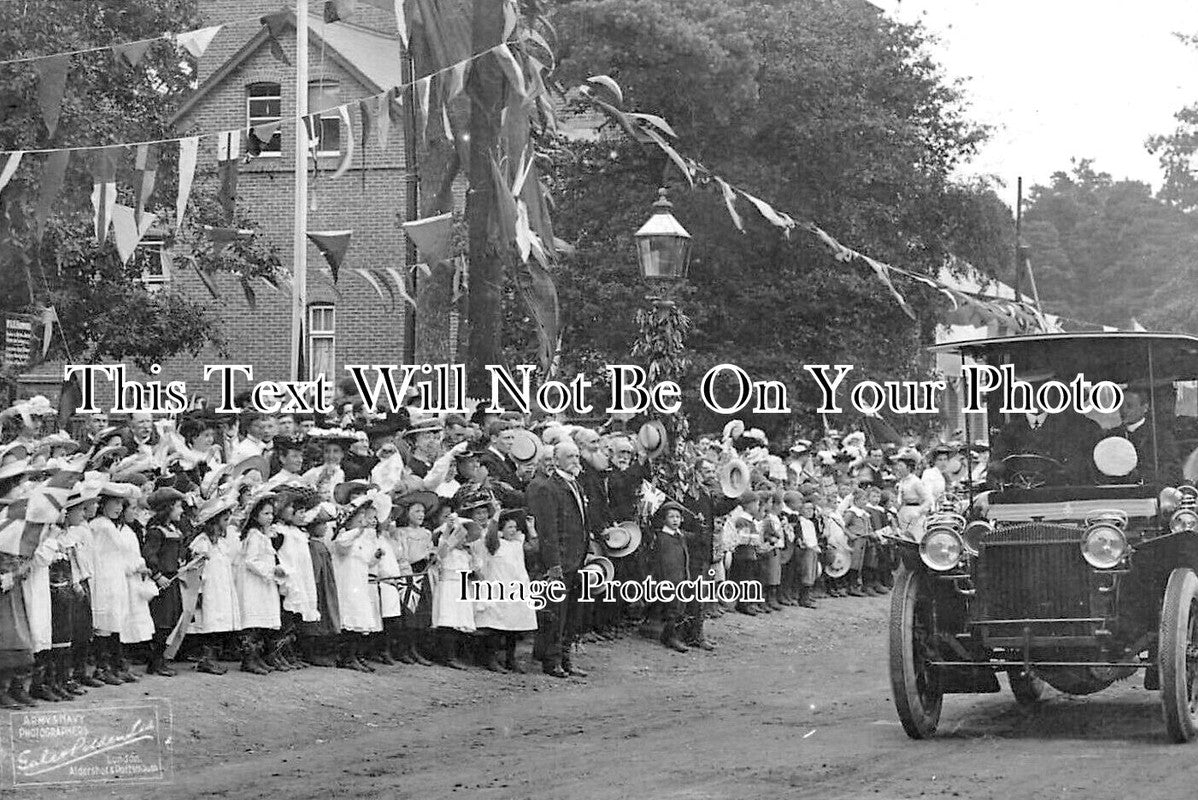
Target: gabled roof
(370, 56)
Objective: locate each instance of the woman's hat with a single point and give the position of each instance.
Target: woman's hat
(163, 498)
(424, 425)
(106, 457)
(61, 439)
(473, 501)
(258, 463)
(215, 507)
(525, 446)
(427, 500)
(124, 491)
(734, 429)
(653, 438)
(326, 436)
(601, 565)
(343, 493)
(518, 514)
(735, 478)
(621, 540)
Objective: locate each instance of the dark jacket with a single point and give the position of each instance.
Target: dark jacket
(161, 550)
(1168, 460)
(672, 562)
(501, 468)
(705, 507)
(561, 524)
(623, 490)
(594, 487)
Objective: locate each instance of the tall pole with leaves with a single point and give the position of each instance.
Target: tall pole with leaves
(661, 348)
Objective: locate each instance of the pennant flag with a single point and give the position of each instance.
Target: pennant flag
(423, 86)
(133, 52)
(374, 283)
(189, 149)
(347, 149)
(205, 279)
(511, 68)
(411, 587)
(223, 237)
(51, 83)
(394, 103)
(333, 245)
(276, 25)
(145, 164)
(197, 41)
(457, 80)
(260, 135)
(433, 236)
(883, 273)
(766, 210)
(70, 397)
(104, 166)
(49, 317)
(338, 10)
(397, 276)
(425, 269)
(128, 230)
(251, 298)
(1135, 323)
(445, 126)
(461, 278)
(53, 174)
(730, 203)
(10, 168)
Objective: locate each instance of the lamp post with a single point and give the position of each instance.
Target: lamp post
(663, 249)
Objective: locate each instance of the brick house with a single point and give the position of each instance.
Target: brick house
(240, 83)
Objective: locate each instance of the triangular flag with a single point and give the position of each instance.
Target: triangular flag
(189, 149)
(1135, 323)
(433, 236)
(425, 269)
(104, 167)
(127, 231)
(766, 210)
(457, 80)
(397, 276)
(394, 103)
(347, 147)
(49, 317)
(10, 168)
(333, 246)
(133, 52)
(205, 279)
(378, 288)
(422, 91)
(276, 25)
(51, 83)
(197, 41)
(53, 174)
(145, 165)
(730, 203)
(260, 135)
(228, 156)
(401, 22)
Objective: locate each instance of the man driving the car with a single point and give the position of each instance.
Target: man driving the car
(1148, 435)
(1066, 438)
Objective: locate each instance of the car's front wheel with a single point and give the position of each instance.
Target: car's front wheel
(918, 695)
(1177, 655)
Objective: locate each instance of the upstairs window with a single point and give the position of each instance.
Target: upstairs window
(322, 341)
(264, 103)
(147, 259)
(324, 96)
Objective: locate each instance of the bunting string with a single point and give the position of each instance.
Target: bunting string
(423, 81)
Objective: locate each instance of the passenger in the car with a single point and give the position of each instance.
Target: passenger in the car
(1137, 427)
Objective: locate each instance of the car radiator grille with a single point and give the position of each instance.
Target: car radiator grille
(1033, 571)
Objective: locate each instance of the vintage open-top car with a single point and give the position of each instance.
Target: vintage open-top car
(1076, 564)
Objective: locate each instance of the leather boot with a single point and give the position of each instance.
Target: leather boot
(38, 688)
(771, 598)
(121, 664)
(6, 700)
(56, 675)
(65, 680)
(510, 661)
(272, 655)
(208, 663)
(669, 637)
(106, 661)
(16, 690)
(401, 646)
(249, 648)
(805, 598)
(449, 650)
(490, 647)
(418, 656)
(157, 665)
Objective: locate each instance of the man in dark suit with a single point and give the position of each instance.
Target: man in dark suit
(1067, 437)
(705, 502)
(497, 457)
(558, 505)
(1137, 427)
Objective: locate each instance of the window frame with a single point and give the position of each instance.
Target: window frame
(321, 116)
(313, 334)
(153, 282)
(253, 121)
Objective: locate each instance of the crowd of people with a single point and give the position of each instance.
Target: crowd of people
(281, 542)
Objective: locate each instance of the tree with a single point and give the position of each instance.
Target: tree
(104, 309)
(827, 109)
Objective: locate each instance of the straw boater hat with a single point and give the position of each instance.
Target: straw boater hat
(245, 466)
(525, 446)
(215, 507)
(735, 478)
(424, 425)
(621, 540)
(61, 439)
(653, 438)
(106, 457)
(601, 565)
(839, 562)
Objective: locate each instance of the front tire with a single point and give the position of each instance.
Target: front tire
(1177, 655)
(918, 695)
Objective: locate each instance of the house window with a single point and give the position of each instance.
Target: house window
(147, 260)
(322, 340)
(264, 103)
(324, 96)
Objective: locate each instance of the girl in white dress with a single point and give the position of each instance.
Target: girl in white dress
(387, 645)
(355, 551)
(502, 561)
(114, 562)
(257, 575)
(219, 611)
(300, 600)
(453, 616)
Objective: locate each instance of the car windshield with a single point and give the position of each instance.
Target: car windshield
(1147, 441)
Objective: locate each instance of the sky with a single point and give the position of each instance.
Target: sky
(1061, 79)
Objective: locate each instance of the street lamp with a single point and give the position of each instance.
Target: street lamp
(663, 246)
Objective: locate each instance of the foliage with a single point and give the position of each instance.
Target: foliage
(1108, 251)
(826, 109)
(105, 310)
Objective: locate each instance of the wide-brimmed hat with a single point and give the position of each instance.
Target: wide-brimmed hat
(520, 515)
(621, 540)
(908, 455)
(653, 438)
(124, 491)
(106, 457)
(838, 563)
(337, 436)
(163, 498)
(283, 443)
(61, 439)
(473, 501)
(424, 425)
(601, 565)
(345, 492)
(215, 506)
(12, 447)
(86, 490)
(525, 446)
(735, 478)
(427, 500)
(251, 464)
(734, 429)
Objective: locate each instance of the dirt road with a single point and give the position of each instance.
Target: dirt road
(791, 706)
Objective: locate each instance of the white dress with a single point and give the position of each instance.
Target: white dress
(353, 553)
(449, 609)
(299, 587)
(257, 589)
(219, 610)
(36, 590)
(118, 606)
(323, 484)
(505, 567)
(389, 604)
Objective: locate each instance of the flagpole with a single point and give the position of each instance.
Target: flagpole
(299, 253)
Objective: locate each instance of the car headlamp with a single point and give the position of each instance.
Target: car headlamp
(941, 549)
(1184, 521)
(973, 535)
(1104, 546)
